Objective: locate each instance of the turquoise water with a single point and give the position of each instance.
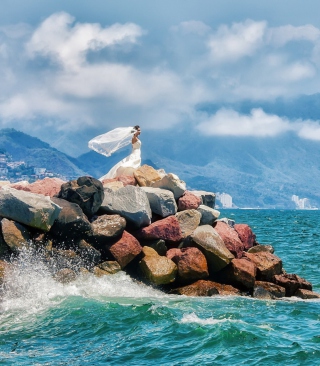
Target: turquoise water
(115, 321)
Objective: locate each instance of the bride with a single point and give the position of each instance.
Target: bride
(114, 140)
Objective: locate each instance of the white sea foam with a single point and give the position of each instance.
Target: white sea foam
(30, 288)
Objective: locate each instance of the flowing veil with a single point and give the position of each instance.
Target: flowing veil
(112, 141)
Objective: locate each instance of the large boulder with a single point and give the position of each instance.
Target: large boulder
(230, 238)
(106, 227)
(189, 220)
(166, 229)
(208, 215)
(206, 288)
(71, 222)
(85, 191)
(157, 269)
(275, 290)
(207, 198)
(146, 175)
(188, 201)
(161, 201)
(28, 208)
(125, 249)
(191, 263)
(129, 202)
(65, 259)
(210, 243)
(172, 183)
(291, 282)
(15, 235)
(240, 273)
(246, 235)
(268, 265)
(127, 180)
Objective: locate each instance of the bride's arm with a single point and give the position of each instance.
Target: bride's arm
(134, 138)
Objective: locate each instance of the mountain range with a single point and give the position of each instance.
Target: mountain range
(263, 172)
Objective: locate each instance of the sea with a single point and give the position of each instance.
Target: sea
(113, 320)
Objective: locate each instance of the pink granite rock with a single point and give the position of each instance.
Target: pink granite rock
(246, 235)
(230, 238)
(127, 180)
(188, 201)
(191, 263)
(166, 229)
(206, 288)
(240, 273)
(47, 186)
(291, 282)
(125, 249)
(268, 265)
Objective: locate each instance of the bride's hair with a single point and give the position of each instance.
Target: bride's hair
(135, 128)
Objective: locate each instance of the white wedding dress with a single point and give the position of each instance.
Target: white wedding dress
(127, 165)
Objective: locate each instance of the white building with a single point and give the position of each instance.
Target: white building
(225, 199)
(301, 203)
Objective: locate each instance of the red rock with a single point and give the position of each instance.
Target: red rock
(188, 201)
(127, 180)
(206, 288)
(275, 290)
(230, 238)
(291, 282)
(240, 273)
(166, 229)
(47, 186)
(191, 263)
(125, 249)
(267, 264)
(306, 294)
(246, 235)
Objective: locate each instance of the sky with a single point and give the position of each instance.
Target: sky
(73, 69)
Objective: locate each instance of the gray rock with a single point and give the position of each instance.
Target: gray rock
(28, 208)
(189, 220)
(89, 255)
(261, 293)
(130, 202)
(172, 183)
(161, 201)
(111, 267)
(106, 227)
(208, 198)
(261, 248)
(227, 221)
(208, 215)
(210, 243)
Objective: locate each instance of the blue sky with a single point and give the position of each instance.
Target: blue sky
(71, 69)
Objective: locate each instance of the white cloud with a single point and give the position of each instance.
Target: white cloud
(239, 40)
(309, 130)
(192, 27)
(279, 36)
(227, 122)
(58, 39)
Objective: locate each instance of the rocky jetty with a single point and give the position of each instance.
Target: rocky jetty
(149, 226)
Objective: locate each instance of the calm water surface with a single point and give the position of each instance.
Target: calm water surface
(113, 321)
